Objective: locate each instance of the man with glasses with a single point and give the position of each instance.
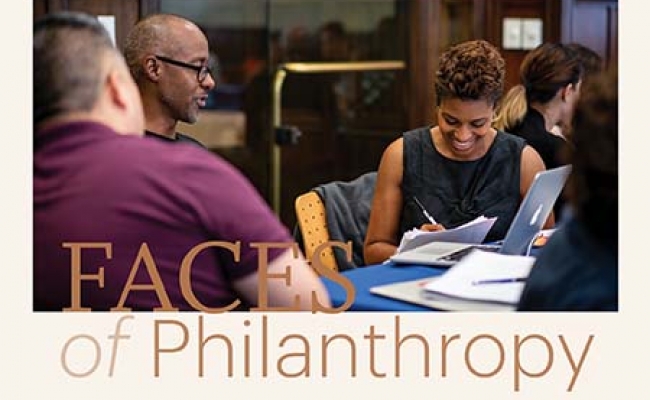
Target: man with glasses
(169, 59)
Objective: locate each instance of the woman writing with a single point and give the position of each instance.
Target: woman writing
(460, 168)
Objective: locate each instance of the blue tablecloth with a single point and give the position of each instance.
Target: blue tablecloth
(373, 275)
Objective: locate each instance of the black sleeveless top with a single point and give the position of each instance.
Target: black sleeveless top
(456, 192)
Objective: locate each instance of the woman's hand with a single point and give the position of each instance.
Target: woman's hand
(432, 227)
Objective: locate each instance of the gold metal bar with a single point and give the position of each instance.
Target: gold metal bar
(276, 154)
(308, 68)
(318, 67)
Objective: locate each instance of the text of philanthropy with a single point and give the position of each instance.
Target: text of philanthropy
(257, 346)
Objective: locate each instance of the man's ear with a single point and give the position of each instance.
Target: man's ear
(116, 89)
(151, 68)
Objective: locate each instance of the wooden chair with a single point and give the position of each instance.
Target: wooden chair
(312, 221)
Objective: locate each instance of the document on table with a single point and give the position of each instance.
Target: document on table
(483, 277)
(471, 232)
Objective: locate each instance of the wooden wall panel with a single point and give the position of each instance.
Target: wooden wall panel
(40, 8)
(612, 33)
(126, 12)
(429, 28)
(593, 23)
(422, 60)
(496, 11)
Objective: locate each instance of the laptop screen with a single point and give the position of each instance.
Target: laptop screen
(534, 209)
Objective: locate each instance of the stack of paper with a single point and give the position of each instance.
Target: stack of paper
(471, 232)
(482, 277)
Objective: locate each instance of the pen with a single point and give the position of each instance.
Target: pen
(504, 280)
(424, 211)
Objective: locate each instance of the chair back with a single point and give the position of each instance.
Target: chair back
(312, 221)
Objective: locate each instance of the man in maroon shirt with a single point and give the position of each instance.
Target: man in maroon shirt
(124, 223)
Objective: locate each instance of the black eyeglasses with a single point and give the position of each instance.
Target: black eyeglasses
(202, 71)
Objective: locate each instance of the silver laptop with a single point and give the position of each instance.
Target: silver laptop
(529, 220)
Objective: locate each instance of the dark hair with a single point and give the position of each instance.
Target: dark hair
(593, 187)
(592, 62)
(546, 69)
(68, 52)
(470, 70)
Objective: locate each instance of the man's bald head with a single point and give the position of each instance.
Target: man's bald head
(156, 34)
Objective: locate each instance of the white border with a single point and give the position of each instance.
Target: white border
(31, 343)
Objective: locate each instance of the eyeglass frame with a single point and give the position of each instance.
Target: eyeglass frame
(198, 68)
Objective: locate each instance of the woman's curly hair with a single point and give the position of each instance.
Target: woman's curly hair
(473, 70)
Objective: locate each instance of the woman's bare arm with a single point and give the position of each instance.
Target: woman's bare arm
(381, 238)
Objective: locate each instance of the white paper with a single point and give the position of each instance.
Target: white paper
(460, 281)
(472, 232)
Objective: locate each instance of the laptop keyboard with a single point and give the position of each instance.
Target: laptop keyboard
(458, 255)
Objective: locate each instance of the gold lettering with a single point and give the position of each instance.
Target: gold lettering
(372, 338)
(203, 342)
(304, 355)
(158, 350)
(264, 275)
(399, 341)
(185, 275)
(334, 276)
(576, 369)
(519, 368)
(501, 356)
(326, 341)
(443, 348)
(144, 255)
(75, 272)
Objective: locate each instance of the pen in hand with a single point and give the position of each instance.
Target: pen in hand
(424, 211)
(504, 280)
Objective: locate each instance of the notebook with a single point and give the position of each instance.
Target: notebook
(480, 282)
(529, 220)
(413, 292)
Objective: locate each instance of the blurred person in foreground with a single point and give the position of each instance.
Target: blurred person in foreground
(577, 270)
(116, 221)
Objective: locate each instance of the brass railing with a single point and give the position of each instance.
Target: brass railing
(308, 68)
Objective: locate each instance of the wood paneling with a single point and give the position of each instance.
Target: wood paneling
(612, 36)
(422, 61)
(126, 12)
(496, 11)
(427, 27)
(40, 8)
(593, 23)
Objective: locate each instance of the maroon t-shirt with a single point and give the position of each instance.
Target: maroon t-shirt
(151, 202)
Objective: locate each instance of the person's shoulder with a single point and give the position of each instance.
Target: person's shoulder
(416, 132)
(510, 143)
(509, 137)
(189, 139)
(168, 155)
